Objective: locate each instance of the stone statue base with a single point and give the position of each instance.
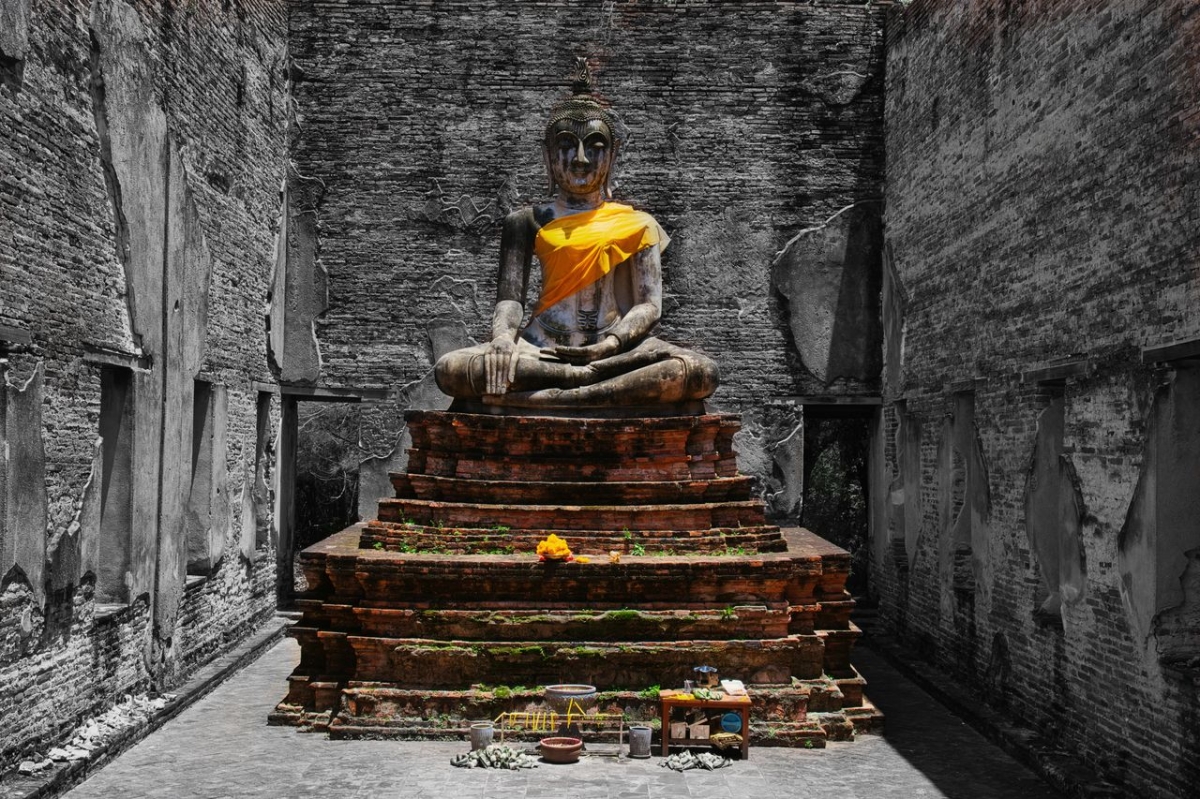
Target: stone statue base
(695, 408)
(426, 619)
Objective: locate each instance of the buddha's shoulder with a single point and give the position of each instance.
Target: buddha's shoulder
(522, 223)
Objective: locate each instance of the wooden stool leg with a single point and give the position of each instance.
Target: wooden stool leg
(665, 712)
(745, 733)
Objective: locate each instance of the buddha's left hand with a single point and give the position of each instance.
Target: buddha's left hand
(580, 355)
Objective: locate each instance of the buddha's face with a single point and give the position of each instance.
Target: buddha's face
(580, 155)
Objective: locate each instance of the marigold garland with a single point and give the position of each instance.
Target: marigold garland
(553, 548)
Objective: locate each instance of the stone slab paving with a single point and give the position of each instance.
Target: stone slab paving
(221, 747)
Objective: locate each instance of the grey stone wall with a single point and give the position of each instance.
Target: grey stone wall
(1041, 192)
(751, 126)
(142, 155)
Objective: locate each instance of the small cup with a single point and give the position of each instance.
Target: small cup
(687, 686)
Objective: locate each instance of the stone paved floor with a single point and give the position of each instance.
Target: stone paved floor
(222, 747)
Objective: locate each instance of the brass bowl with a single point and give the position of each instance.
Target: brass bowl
(559, 696)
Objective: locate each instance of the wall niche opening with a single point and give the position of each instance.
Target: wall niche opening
(837, 443)
(116, 486)
(207, 516)
(261, 493)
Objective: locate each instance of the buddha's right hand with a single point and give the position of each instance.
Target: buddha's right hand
(500, 365)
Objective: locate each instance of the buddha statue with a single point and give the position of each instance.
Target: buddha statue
(588, 343)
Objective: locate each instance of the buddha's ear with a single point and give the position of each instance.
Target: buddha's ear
(549, 172)
(612, 163)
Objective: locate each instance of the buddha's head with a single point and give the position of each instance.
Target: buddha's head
(581, 141)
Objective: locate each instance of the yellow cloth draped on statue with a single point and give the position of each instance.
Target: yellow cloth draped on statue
(579, 249)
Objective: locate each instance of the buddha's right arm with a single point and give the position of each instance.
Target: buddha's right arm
(516, 255)
(506, 320)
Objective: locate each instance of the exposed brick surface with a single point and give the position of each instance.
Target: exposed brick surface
(214, 74)
(1041, 169)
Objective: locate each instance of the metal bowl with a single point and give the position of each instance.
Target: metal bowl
(559, 696)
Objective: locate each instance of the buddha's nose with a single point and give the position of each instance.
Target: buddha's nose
(581, 158)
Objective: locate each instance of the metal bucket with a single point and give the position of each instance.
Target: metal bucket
(639, 741)
(481, 735)
(707, 676)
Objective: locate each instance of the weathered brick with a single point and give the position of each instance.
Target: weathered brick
(213, 75)
(1040, 159)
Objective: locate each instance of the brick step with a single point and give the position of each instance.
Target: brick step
(529, 492)
(811, 734)
(778, 717)
(666, 468)
(838, 645)
(505, 624)
(489, 605)
(382, 700)
(327, 641)
(641, 518)
(435, 664)
(396, 537)
(521, 437)
(804, 715)
(337, 570)
(835, 565)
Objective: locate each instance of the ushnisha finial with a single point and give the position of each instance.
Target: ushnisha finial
(581, 80)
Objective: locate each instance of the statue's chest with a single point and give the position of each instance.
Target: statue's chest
(583, 318)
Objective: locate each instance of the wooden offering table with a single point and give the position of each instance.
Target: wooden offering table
(671, 699)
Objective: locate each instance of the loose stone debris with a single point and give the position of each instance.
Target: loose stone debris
(495, 756)
(682, 761)
(95, 733)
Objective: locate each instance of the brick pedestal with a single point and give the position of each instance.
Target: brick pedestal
(440, 613)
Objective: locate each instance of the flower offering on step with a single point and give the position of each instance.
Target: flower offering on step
(553, 548)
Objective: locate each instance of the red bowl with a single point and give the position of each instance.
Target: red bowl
(560, 750)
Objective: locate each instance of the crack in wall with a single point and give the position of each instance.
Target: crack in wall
(829, 277)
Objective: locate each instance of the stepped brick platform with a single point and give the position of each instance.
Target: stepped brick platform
(439, 613)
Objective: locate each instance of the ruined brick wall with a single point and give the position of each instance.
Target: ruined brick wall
(142, 154)
(420, 127)
(1035, 454)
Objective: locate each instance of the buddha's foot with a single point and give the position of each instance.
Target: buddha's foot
(542, 398)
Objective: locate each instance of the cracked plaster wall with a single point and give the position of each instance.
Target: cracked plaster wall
(735, 149)
(1016, 136)
(831, 276)
(140, 169)
(1054, 514)
(1160, 541)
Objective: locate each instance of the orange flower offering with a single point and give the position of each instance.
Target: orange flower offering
(553, 548)
(583, 559)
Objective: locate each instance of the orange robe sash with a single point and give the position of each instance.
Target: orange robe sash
(579, 249)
